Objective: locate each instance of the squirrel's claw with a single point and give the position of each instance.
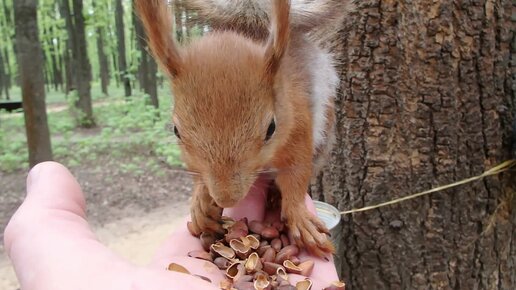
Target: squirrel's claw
(309, 232)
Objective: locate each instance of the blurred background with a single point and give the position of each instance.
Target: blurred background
(107, 113)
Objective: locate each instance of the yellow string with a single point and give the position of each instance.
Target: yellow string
(493, 171)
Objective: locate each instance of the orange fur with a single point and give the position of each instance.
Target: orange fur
(228, 88)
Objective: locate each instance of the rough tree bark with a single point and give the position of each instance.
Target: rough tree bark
(427, 98)
(122, 60)
(30, 68)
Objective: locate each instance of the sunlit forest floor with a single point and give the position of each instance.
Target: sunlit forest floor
(128, 165)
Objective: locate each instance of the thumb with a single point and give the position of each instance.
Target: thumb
(48, 239)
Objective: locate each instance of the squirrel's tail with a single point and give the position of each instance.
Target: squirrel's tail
(252, 17)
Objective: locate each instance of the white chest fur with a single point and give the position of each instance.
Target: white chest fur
(324, 81)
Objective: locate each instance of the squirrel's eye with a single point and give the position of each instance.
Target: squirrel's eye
(270, 130)
(176, 132)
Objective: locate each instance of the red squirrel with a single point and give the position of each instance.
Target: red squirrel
(252, 97)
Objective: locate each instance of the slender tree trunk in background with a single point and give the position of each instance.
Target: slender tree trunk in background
(178, 18)
(122, 59)
(64, 7)
(115, 68)
(147, 69)
(2, 76)
(49, 68)
(152, 82)
(7, 80)
(103, 62)
(30, 64)
(59, 56)
(140, 46)
(103, 59)
(83, 68)
(188, 24)
(56, 72)
(427, 98)
(112, 54)
(69, 83)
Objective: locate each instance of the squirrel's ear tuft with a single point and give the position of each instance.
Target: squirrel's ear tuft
(157, 21)
(279, 37)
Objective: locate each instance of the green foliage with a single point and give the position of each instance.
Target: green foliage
(128, 130)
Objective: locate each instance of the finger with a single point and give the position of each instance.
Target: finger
(52, 247)
(48, 239)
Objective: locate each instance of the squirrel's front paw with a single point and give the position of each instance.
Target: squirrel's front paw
(308, 231)
(206, 217)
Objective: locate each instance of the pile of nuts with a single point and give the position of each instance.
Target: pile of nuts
(254, 255)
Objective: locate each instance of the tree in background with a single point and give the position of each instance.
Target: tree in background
(3, 78)
(122, 59)
(51, 40)
(6, 44)
(82, 67)
(64, 9)
(30, 67)
(426, 98)
(101, 22)
(147, 70)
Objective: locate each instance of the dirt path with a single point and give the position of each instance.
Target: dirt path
(59, 107)
(135, 238)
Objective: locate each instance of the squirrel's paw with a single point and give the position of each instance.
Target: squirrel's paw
(206, 217)
(308, 231)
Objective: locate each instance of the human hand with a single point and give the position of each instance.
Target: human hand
(52, 246)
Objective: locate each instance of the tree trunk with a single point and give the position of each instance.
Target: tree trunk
(426, 99)
(2, 76)
(152, 82)
(59, 62)
(7, 60)
(147, 69)
(83, 68)
(30, 68)
(178, 19)
(56, 72)
(103, 59)
(64, 8)
(8, 79)
(103, 62)
(122, 59)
